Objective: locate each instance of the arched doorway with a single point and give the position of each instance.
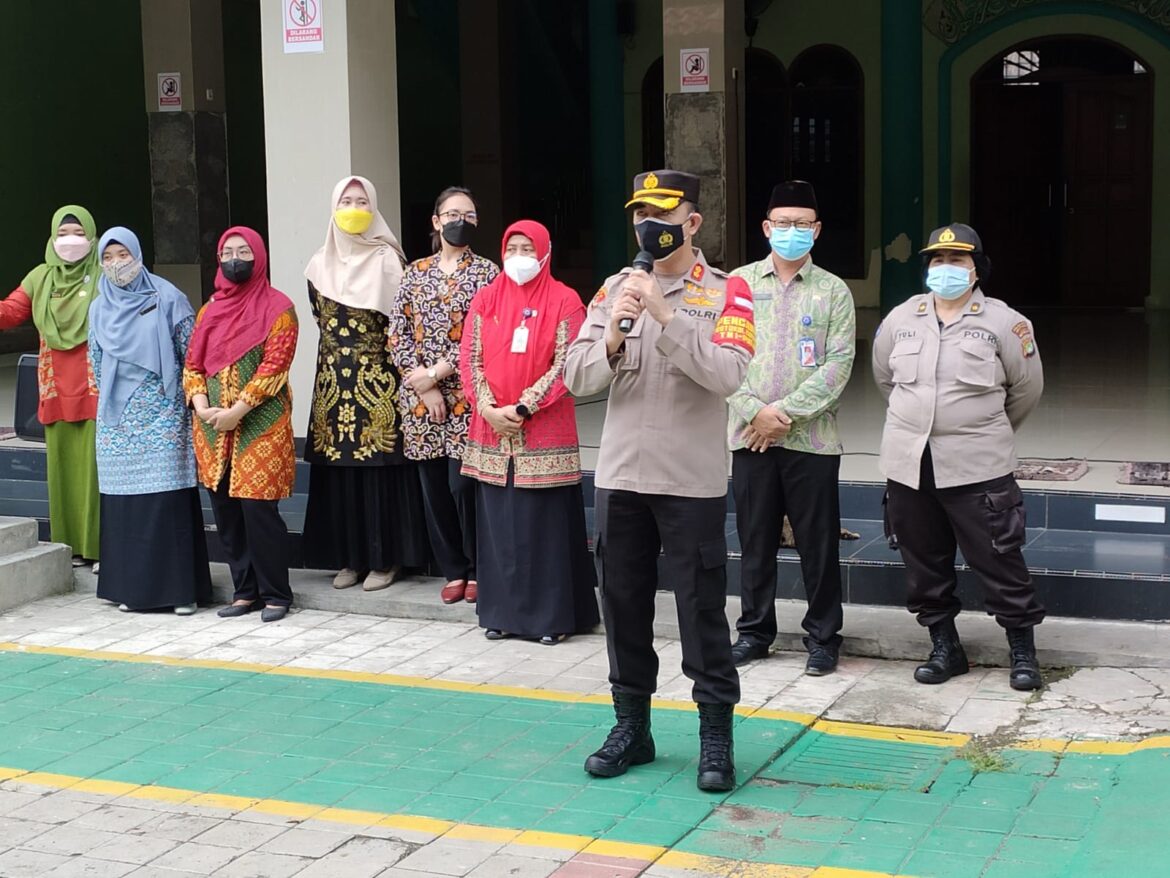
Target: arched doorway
(767, 126)
(806, 123)
(1061, 172)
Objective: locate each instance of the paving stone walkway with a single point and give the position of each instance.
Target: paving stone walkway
(345, 745)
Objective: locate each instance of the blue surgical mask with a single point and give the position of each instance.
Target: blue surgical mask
(791, 244)
(949, 281)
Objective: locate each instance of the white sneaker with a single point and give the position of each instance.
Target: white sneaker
(97, 567)
(123, 608)
(186, 609)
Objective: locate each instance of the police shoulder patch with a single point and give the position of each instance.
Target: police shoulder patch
(1023, 331)
(600, 296)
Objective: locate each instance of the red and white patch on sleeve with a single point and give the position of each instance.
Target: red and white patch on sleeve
(737, 325)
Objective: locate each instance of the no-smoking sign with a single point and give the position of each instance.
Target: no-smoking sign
(170, 93)
(694, 70)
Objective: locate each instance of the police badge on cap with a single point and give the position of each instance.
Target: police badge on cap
(665, 189)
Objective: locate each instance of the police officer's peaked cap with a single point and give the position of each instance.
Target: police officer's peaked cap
(665, 189)
(956, 236)
(793, 193)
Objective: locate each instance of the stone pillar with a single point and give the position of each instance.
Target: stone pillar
(612, 235)
(326, 115)
(901, 150)
(704, 130)
(188, 147)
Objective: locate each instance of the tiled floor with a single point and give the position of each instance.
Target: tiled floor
(235, 749)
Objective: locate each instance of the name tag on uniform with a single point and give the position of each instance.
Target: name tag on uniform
(808, 352)
(520, 340)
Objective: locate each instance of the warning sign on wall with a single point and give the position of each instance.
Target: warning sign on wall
(170, 93)
(304, 30)
(694, 70)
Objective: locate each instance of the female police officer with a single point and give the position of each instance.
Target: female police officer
(960, 372)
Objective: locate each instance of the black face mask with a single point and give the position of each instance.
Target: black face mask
(458, 233)
(659, 239)
(237, 270)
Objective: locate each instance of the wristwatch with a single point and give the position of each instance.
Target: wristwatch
(432, 374)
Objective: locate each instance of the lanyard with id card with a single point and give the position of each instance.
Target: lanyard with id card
(520, 335)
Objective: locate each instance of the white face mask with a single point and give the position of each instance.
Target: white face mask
(522, 269)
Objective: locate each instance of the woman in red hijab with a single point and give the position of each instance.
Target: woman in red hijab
(236, 379)
(536, 578)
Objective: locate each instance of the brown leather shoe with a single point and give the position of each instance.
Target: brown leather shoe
(453, 592)
(472, 593)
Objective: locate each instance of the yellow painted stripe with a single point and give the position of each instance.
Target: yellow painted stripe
(840, 872)
(891, 733)
(625, 849)
(789, 716)
(570, 844)
(828, 727)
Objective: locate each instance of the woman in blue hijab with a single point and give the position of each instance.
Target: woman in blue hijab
(154, 554)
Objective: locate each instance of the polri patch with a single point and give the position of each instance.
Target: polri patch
(1023, 330)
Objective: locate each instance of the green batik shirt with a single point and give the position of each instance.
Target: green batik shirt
(805, 341)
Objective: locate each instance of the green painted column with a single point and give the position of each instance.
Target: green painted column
(607, 140)
(901, 150)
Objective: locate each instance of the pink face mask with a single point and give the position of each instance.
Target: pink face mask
(72, 248)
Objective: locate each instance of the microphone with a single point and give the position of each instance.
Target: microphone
(644, 261)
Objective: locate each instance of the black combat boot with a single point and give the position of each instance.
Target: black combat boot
(947, 658)
(1025, 673)
(716, 750)
(629, 742)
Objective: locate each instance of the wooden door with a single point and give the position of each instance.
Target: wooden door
(1016, 179)
(1106, 208)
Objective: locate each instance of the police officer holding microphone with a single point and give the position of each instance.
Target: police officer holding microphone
(671, 344)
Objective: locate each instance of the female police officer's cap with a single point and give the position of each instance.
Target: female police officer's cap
(956, 236)
(664, 189)
(793, 193)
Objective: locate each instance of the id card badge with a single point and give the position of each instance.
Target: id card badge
(520, 340)
(808, 353)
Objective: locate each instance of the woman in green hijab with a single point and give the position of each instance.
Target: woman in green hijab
(57, 295)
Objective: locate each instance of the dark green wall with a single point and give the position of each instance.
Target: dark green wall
(430, 149)
(244, 93)
(74, 123)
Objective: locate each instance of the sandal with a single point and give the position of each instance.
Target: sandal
(552, 639)
(497, 634)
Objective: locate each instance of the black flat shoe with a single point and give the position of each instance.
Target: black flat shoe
(233, 610)
(273, 614)
(744, 651)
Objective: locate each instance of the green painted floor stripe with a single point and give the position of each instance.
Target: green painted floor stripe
(812, 798)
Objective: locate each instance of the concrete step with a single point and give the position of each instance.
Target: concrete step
(870, 631)
(34, 573)
(17, 534)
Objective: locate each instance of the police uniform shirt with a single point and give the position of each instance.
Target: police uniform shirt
(966, 388)
(666, 420)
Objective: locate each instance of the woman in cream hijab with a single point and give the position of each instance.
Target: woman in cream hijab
(364, 515)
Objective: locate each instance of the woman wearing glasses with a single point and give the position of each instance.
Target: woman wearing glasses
(435, 296)
(236, 379)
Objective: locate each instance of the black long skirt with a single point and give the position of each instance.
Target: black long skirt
(536, 576)
(154, 551)
(365, 518)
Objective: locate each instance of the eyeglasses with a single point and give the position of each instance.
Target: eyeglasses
(239, 253)
(450, 216)
(785, 224)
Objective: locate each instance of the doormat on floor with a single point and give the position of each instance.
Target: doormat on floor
(1145, 474)
(1037, 469)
